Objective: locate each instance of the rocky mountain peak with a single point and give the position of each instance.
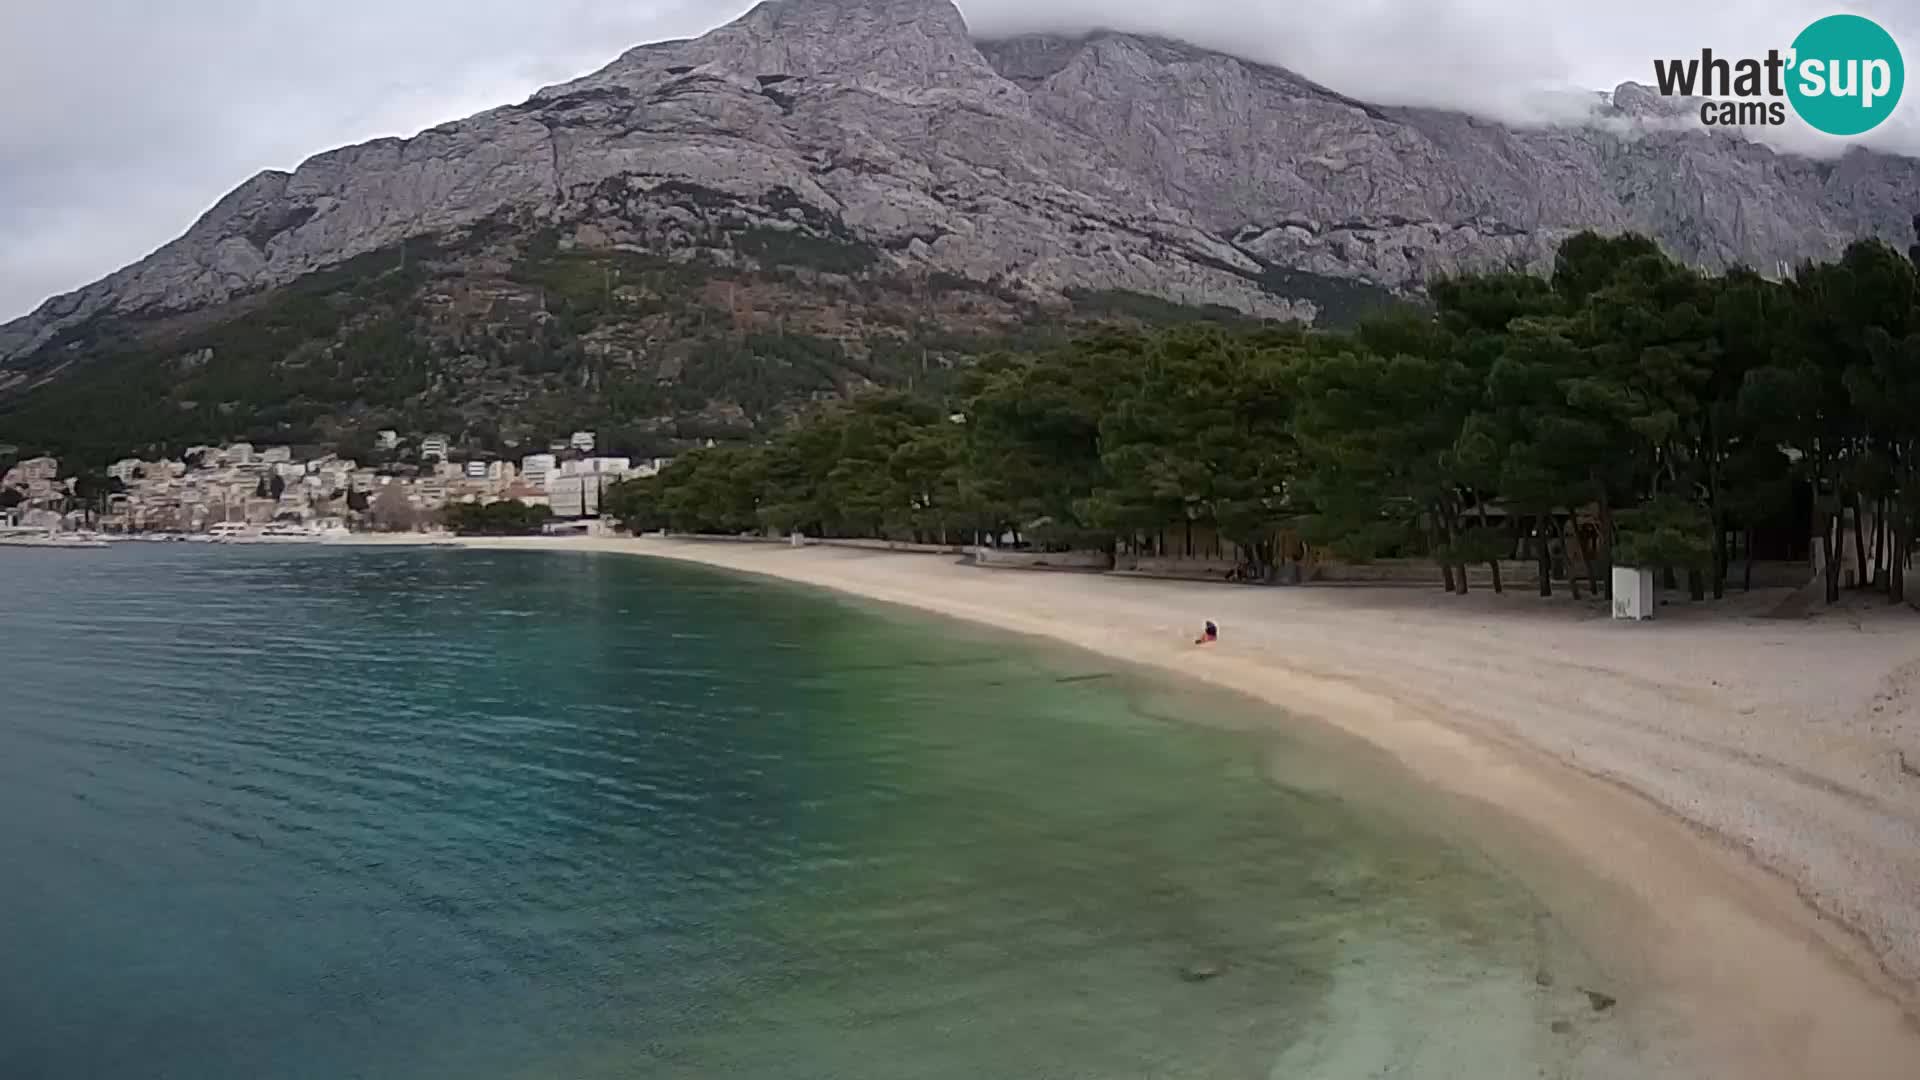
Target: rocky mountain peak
(1640, 100)
(898, 46)
(1042, 164)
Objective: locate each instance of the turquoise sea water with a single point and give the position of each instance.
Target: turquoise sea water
(330, 814)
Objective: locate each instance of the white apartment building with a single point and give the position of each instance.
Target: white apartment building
(386, 440)
(26, 473)
(578, 494)
(433, 446)
(582, 441)
(597, 466)
(335, 477)
(476, 470)
(536, 468)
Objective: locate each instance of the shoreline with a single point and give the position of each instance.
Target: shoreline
(1747, 880)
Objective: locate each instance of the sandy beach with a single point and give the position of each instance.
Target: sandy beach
(1723, 807)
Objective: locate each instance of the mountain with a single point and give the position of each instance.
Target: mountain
(846, 144)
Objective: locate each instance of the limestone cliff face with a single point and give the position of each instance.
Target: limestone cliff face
(1044, 164)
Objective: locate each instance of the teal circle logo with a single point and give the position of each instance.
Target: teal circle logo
(1847, 75)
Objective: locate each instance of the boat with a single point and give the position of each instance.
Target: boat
(286, 532)
(278, 532)
(49, 538)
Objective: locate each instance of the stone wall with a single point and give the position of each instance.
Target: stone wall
(1513, 574)
(1001, 559)
(890, 545)
(1175, 566)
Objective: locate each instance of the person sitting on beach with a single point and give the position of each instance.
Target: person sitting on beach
(1208, 636)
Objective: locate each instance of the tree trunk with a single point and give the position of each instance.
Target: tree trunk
(1897, 578)
(1436, 544)
(1696, 585)
(1880, 546)
(1588, 561)
(1859, 544)
(1493, 563)
(1605, 542)
(1543, 554)
(1746, 583)
(1453, 545)
(1830, 539)
(1567, 552)
(1721, 556)
(1714, 512)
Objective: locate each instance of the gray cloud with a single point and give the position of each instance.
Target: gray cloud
(1521, 61)
(124, 119)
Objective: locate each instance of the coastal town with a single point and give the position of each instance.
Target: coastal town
(241, 490)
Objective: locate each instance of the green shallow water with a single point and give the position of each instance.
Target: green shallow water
(311, 813)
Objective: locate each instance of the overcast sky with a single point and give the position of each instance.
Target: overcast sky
(122, 120)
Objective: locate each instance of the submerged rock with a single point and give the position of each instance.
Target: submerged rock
(1600, 1002)
(1197, 973)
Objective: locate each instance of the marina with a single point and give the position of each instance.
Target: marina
(48, 538)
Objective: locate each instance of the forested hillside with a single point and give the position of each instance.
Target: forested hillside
(502, 337)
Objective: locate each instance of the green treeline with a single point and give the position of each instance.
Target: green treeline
(508, 517)
(1627, 409)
